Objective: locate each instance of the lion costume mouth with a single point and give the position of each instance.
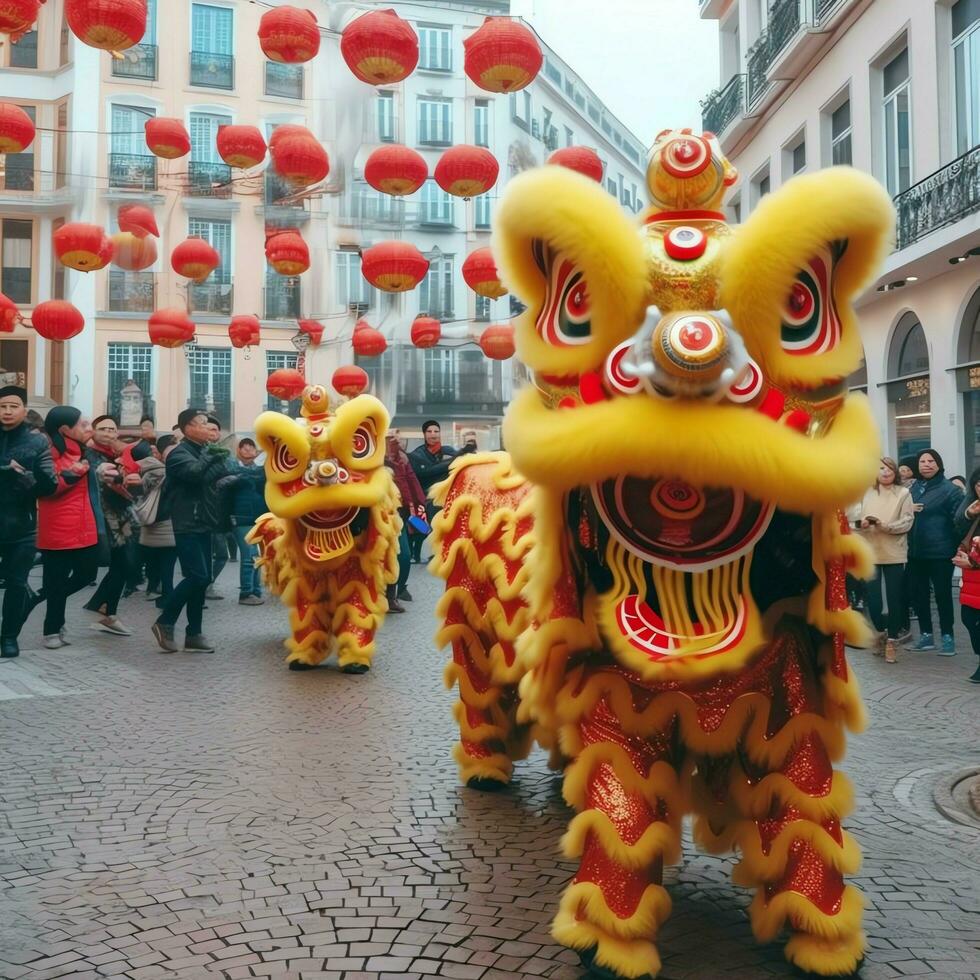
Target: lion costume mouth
(327, 533)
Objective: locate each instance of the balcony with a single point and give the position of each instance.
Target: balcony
(280, 193)
(131, 292)
(132, 171)
(212, 70)
(942, 199)
(139, 61)
(284, 81)
(212, 298)
(282, 298)
(722, 106)
(784, 24)
(205, 179)
(17, 172)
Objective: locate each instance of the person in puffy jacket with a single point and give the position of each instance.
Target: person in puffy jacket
(413, 505)
(932, 544)
(26, 473)
(157, 542)
(968, 559)
(247, 505)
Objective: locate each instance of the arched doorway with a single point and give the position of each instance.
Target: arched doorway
(968, 379)
(909, 403)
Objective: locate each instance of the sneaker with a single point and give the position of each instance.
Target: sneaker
(63, 633)
(197, 643)
(251, 600)
(974, 678)
(111, 624)
(53, 642)
(949, 646)
(165, 637)
(212, 594)
(925, 642)
(404, 595)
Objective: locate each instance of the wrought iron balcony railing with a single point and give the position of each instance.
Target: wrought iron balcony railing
(132, 171)
(212, 70)
(17, 172)
(211, 297)
(205, 179)
(139, 61)
(723, 105)
(278, 192)
(282, 299)
(131, 292)
(942, 199)
(283, 81)
(784, 24)
(823, 8)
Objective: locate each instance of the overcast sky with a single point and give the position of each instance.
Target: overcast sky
(650, 61)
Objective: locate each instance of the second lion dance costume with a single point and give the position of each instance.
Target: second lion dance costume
(653, 582)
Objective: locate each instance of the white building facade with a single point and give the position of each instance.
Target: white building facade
(891, 87)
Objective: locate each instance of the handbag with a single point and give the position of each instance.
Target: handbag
(148, 505)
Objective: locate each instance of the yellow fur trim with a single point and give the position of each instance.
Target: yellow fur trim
(586, 226)
(756, 801)
(803, 916)
(549, 551)
(496, 766)
(827, 957)
(625, 957)
(584, 900)
(788, 228)
(756, 867)
(484, 732)
(658, 840)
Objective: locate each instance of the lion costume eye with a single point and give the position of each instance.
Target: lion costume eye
(566, 314)
(362, 445)
(810, 321)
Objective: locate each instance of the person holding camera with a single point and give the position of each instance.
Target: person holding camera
(885, 521)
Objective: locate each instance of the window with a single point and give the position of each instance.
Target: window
(551, 72)
(968, 378)
(436, 121)
(387, 131)
(840, 134)
(204, 133)
(908, 390)
(436, 207)
(799, 157)
(483, 308)
(481, 122)
(23, 54)
(435, 48)
(520, 109)
(764, 186)
(212, 46)
(569, 137)
(276, 360)
(898, 140)
(140, 60)
(481, 211)
(57, 269)
(210, 381)
(966, 73)
(131, 165)
(759, 186)
(19, 167)
(214, 295)
(352, 288)
(17, 257)
(735, 207)
(283, 81)
(125, 363)
(436, 289)
(61, 146)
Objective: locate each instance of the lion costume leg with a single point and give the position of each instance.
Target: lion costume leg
(356, 615)
(309, 643)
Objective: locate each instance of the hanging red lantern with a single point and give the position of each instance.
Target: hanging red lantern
(57, 320)
(287, 253)
(194, 259)
(578, 158)
(289, 34)
(466, 171)
(497, 342)
(10, 316)
(167, 138)
(480, 274)
(313, 330)
(112, 25)
(17, 130)
(394, 266)
(286, 383)
(502, 56)
(350, 380)
(241, 146)
(243, 331)
(133, 253)
(380, 48)
(286, 131)
(299, 158)
(17, 17)
(367, 341)
(426, 332)
(170, 328)
(396, 170)
(137, 219)
(82, 247)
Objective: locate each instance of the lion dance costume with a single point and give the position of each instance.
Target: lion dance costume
(330, 545)
(653, 581)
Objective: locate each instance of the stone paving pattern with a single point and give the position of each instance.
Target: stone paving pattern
(200, 816)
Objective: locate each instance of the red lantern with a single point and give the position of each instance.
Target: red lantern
(170, 328)
(396, 170)
(380, 48)
(10, 316)
(289, 34)
(480, 274)
(57, 320)
(350, 380)
(426, 331)
(313, 330)
(466, 171)
(133, 253)
(167, 138)
(578, 158)
(17, 17)
(287, 130)
(113, 25)
(368, 342)
(83, 247)
(194, 259)
(300, 159)
(138, 219)
(17, 130)
(241, 146)
(286, 383)
(243, 331)
(502, 56)
(394, 266)
(287, 253)
(497, 342)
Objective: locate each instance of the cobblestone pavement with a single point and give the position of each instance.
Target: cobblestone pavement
(201, 816)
